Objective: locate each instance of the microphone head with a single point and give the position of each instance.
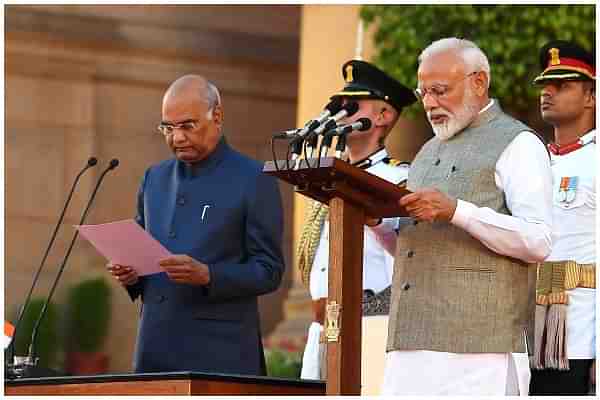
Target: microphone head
(92, 161)
(334, 105)
(365, 124)
(351, 108)
(114, 163)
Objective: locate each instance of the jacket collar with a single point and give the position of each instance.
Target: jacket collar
(487, 113)
(212, 160)
(584, 140)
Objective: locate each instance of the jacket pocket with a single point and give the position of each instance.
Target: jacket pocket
(153, 298)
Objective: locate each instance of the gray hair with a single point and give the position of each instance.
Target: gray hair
(213, 98)
(471, 54)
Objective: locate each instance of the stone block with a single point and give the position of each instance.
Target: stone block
(49, 101)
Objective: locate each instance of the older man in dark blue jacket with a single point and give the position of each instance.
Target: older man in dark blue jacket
(222, 219)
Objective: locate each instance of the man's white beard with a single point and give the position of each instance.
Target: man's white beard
(455, 122)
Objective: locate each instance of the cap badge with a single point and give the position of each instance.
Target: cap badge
(554, 58)
(349, 77)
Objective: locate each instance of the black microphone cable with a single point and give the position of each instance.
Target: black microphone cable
(362, 124)
(283, 135)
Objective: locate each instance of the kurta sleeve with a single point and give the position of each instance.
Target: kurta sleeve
(524, 174)
(264, 265)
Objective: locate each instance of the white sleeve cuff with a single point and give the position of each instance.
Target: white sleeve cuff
(463, 214)
(387, 225)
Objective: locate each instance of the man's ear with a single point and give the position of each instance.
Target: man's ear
(385, 117)
(218, 116)
(590, 98)
(481, 83)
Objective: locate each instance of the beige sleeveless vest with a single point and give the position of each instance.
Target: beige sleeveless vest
(451, 293)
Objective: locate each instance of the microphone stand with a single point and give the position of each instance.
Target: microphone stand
(340, 146)
(326, 144)
(312, 137)
(296, 149)
(28, 367)
(10, 351)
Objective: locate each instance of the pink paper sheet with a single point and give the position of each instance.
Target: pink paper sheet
(126, 243)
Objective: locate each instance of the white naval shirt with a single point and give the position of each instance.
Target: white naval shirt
(378, 264)
(522, 172)
(574, 236)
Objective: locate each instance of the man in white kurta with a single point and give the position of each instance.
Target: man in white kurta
(380, 99)
(454, 78)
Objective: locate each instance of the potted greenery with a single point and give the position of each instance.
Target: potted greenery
(284, 359)
(88, 319)
(283, 364)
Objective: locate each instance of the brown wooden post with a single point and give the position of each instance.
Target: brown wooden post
(343, 312)
(352, 194)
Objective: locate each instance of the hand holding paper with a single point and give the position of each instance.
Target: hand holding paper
(123, 273)
(184, 269)
(126, 244)
(428, 204)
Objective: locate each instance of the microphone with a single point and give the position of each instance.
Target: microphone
(92, 161)
(286, 134)
(312, 138)
(362, 124)
(331, 108)
(296, 134)
(327, 123)
(31, 356)
(347, 111)
(340, 146)
(334, 106)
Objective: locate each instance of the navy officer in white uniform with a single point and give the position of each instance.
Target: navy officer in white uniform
(381, 99)
(221, 217)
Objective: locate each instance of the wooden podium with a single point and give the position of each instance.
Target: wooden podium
(352, 195)
(170, 383)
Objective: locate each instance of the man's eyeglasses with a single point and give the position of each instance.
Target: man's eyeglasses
(186, 127)
(439, 92)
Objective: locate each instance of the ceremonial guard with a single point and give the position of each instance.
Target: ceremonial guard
(381, 99)
(566, 282)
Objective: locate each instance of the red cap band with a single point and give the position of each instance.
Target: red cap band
(571, 62)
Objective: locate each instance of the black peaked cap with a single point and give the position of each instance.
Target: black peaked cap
(364, 80)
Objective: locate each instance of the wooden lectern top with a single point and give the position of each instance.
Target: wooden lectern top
(167, 383)
(337, 178)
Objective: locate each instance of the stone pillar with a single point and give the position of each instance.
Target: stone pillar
(323, 49)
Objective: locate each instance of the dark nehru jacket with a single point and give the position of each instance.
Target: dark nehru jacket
(224, 212)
